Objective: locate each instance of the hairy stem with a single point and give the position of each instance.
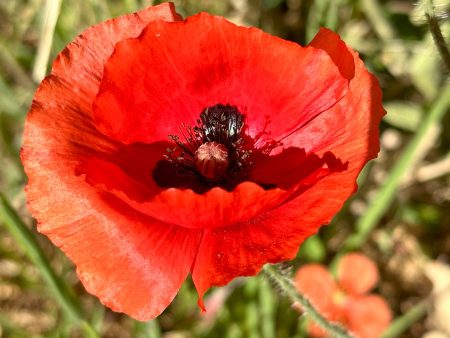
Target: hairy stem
(285, 284)
(435, 30)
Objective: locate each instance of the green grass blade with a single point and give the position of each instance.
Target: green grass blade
(51, 13)
(27, 241)
(387, 192)
(402, 323)
(267, 309)
(147, 329)
(316, 17)
(332, 17)
(89, 331)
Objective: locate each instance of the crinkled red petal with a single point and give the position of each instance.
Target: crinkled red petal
(337, 50)
(165, 78)
(294, 166)
(349, 130)
(367, 316)
(130, 261)
(215, 208)
(357, 274)
(270, 237)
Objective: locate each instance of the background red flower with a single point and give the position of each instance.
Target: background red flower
(345, 300)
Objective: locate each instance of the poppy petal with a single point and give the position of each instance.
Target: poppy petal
(294, 166)
(217, 207)
(315, 330)
(271, 237)
(367, 316)
(166, 77)
(242, 249)
(338, 51)
(317, 284)
(112, 245)
(349, 130)
(357, 274)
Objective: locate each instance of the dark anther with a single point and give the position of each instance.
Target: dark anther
(222, 124)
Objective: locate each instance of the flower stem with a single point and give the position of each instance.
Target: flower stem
(285, 284)
(435, 30)
(60, 289)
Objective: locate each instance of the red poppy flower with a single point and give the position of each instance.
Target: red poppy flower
(159, 147)
(346, 301)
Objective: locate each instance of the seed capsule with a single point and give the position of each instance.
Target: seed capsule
(211, 160)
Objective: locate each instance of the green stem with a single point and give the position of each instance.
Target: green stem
(150, 328)
(286, 286)
(266, 306)
(315, 18)
(435, 30)
(89, 331)
(387, 192)
(333, 15)
(27, 241)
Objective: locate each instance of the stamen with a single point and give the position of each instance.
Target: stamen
(212, 153)
(222, 124)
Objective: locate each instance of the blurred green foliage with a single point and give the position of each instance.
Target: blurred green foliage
(392, 38)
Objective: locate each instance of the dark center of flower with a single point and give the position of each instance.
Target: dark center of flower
(212, 153)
